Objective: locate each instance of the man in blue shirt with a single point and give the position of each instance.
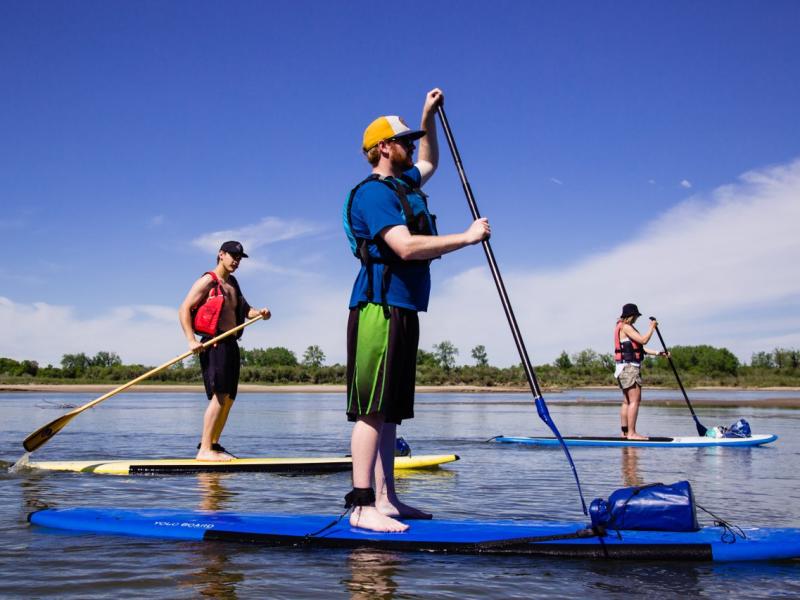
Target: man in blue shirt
(391, 231)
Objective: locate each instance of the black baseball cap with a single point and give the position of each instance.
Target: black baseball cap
(233, 248)
(630, 310)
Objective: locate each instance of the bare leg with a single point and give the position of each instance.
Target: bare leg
(364, 448)
(623, 414)
(210, 419)
(216, 433)
(385, 495)
(634, 396)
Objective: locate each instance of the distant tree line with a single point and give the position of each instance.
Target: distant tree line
(697, 365)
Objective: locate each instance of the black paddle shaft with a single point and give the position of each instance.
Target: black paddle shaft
(701, 430)
(541, 406)
(533, 382)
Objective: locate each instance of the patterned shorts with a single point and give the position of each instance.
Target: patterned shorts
(629, 377)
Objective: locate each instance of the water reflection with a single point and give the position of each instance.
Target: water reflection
(631, 475)
(429, 473)
(756, 486)
(214, 494)
(35, 492)
(372, 574)
(661, 580)
(215, 575)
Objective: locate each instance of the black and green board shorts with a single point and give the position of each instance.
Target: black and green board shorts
(381, 362)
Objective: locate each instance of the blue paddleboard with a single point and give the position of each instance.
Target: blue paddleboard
(538, 538)
(653, 442)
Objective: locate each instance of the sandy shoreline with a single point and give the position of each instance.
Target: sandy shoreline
(552, 396)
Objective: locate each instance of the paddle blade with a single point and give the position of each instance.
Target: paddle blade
(42, 435)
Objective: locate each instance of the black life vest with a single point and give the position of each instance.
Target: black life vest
(627, 351)
(423, 223)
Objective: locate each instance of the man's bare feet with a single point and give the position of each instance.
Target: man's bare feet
(211, 455)
(399, 510)
(636, 436)
(369, 517)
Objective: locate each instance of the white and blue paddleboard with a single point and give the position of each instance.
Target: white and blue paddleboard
(536, 538)
(653, 442)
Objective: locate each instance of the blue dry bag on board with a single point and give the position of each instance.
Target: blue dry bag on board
(401, 447)
(740, 429)
(654, 507)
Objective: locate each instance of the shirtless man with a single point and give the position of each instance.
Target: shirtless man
(221, 362)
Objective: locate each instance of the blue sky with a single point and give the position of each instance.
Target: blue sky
(623, 151)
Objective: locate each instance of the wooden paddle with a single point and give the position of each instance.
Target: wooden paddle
(42, 435)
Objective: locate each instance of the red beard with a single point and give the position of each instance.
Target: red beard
(401, 159)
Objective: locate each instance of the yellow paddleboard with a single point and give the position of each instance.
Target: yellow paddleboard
(190, 465)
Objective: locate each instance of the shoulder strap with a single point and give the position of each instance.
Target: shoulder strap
(235, 283)
(402, 195)
(215, 279)
(399, 190)
(348, 211)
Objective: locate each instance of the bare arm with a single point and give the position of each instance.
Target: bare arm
(428, 156)
(196, 294)
(421, 247)
(631, 333)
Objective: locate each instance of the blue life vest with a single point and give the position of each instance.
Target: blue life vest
(421, 223)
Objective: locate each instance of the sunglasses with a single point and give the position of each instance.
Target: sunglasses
(405, 142)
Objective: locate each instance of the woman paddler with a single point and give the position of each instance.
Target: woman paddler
(629, 351)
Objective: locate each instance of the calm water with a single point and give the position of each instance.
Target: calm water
(747, 486)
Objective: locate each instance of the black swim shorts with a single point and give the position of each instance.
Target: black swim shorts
(221, 364)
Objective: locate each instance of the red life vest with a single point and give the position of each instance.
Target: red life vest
(627, 351)
(205, 316)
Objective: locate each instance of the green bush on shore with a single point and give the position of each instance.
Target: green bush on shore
(697, 365)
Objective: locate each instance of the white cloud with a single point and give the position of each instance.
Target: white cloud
(719, 270)
(267, 231)
(44, 332)
(556, 181)
(685, 183)
(151, 334)
(157, 220)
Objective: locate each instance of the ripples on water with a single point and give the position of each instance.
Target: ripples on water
(748, 486)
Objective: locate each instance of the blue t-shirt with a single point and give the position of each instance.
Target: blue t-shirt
(376, 207)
